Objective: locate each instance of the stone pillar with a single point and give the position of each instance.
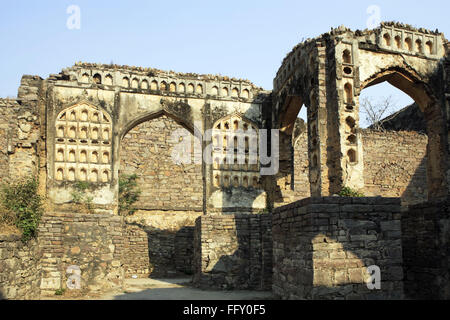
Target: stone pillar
(318, 130)
(349, 141)
(207, 169)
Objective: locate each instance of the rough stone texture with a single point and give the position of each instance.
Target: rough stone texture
(95, 243)
(135, 256)
(233, 252)
(170, 240)
(326, 74)
(395, 165)
(323, 246)
(301, 168)
(19, 136)
(20, 274)
(426, 251)
(408, 119)
(147, 151)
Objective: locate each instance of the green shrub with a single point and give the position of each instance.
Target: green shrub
(60, 292)
(80, 195)
(348, 192)
(128, 194)
(22, 199)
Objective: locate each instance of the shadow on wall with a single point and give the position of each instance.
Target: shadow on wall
(236, 252)
(417, 190)
(425, 241)
(324, 247)
(426, 250)
(170, 252)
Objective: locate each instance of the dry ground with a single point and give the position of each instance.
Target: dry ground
(165, 289)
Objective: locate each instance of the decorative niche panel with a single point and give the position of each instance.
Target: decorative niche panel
(235, 153)
(83, 145)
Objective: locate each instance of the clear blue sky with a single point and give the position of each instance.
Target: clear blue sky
(243, 39)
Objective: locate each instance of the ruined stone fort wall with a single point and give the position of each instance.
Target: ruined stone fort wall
(147, 152)
(233, 251)
(323, 247)
(394, 166)
(172, 193)
(19, 268)
(426, 251)
(6, 128)
(19, 135)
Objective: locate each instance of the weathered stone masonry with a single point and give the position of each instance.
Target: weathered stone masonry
(426, 251)
(233, 251)
(92, 122)
(20, 268)
(322, 248)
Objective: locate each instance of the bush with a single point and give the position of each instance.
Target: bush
(348, 192)
(60, 292)
(128, 194)
(79, 195)
(23, 205)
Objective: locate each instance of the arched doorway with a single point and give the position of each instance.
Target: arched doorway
(161, 151)
(430, 107)
(394, 144)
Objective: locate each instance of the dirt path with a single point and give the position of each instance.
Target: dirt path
(177, 289)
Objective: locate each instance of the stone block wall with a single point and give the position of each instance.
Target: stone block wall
(410, 118)
(19, 136)
(147, 151)
(233, 252)
(322, 248)
(92, 242)
(395, 165)
(19, 268)
(301, 167)
(170, 237)
(135, 257)
(426, 251)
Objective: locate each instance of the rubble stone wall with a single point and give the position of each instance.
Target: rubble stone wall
(426, 251)
(19, 268)
(233, 252)
(395, 165)
(135, 257)
(100, 245)
(170, 236)
(147, 151)
(323, 247)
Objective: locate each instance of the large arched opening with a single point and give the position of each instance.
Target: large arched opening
(292, 181)
(162, 151)
(410, 170)
(394, 144)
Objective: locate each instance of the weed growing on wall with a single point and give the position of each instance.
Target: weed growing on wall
(23, 206)
(128, 194)
(348, 192)
(80, 195)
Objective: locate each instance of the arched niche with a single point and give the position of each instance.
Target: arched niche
(78, 142)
